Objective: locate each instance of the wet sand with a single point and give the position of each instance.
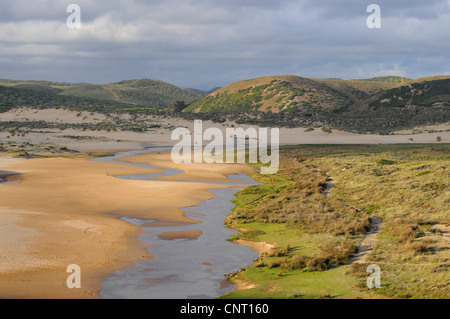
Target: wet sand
(186, 268)
(66, 211)
(177, 270)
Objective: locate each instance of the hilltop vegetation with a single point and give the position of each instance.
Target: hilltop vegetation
(417, 94)
(14, 98)
(379, 105)
(278, 94)
(144, 93)
(293, 94)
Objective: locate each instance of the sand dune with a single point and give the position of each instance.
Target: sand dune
(125, 140)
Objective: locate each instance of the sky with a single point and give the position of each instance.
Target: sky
(208, 43)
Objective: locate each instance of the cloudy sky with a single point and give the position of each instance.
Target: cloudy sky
(208, 43)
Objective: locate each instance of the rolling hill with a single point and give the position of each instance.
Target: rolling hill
(380, 104)
(288, 93)
(11, 97)
(144, 93)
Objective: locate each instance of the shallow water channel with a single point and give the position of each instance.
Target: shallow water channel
(182, 268)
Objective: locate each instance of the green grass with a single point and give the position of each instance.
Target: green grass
(281, 283)
(407, 186)
(333, 283)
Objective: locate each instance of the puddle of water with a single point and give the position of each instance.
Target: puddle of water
(7, 177)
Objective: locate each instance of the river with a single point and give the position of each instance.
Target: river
(183, 268)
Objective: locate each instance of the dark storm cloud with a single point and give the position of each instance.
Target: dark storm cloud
(205, 43)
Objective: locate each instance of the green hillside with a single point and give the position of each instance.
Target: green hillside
(368, 86)
(288, 93)
(389, 79)
(293, 94)
(380, 105)
(427, 93)
(277, 94)
(11, 97)
(140, 93)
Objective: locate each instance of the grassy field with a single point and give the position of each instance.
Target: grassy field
(406, 186)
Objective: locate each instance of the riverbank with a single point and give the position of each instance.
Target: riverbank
(326, 238)
(66, 211)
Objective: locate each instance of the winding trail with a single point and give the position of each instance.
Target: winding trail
(365, 247)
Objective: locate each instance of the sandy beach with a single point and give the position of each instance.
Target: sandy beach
(66, 211)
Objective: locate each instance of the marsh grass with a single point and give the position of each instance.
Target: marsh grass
(406, 186)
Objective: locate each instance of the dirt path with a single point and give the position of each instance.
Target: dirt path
(365, 247)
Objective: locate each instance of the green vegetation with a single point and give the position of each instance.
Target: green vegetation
(418, 94)
(390, 79)
(136, 125)
(125, 95)
(411, 195)
(14, 98)
(406, 186)
(177, 106)
(28, 150)
(379, 105)
(151, 93)
(280, 93)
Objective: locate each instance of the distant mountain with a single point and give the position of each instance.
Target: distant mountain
(144, 93)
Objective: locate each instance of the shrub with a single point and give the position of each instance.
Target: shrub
(416, 247)
(405, 233)
(279, 252)
(273, 264)
(317, 263)
(326, 129)
(385, 162)
(295, 263)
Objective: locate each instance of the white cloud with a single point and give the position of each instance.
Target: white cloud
(395, 70)
(209, 41)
